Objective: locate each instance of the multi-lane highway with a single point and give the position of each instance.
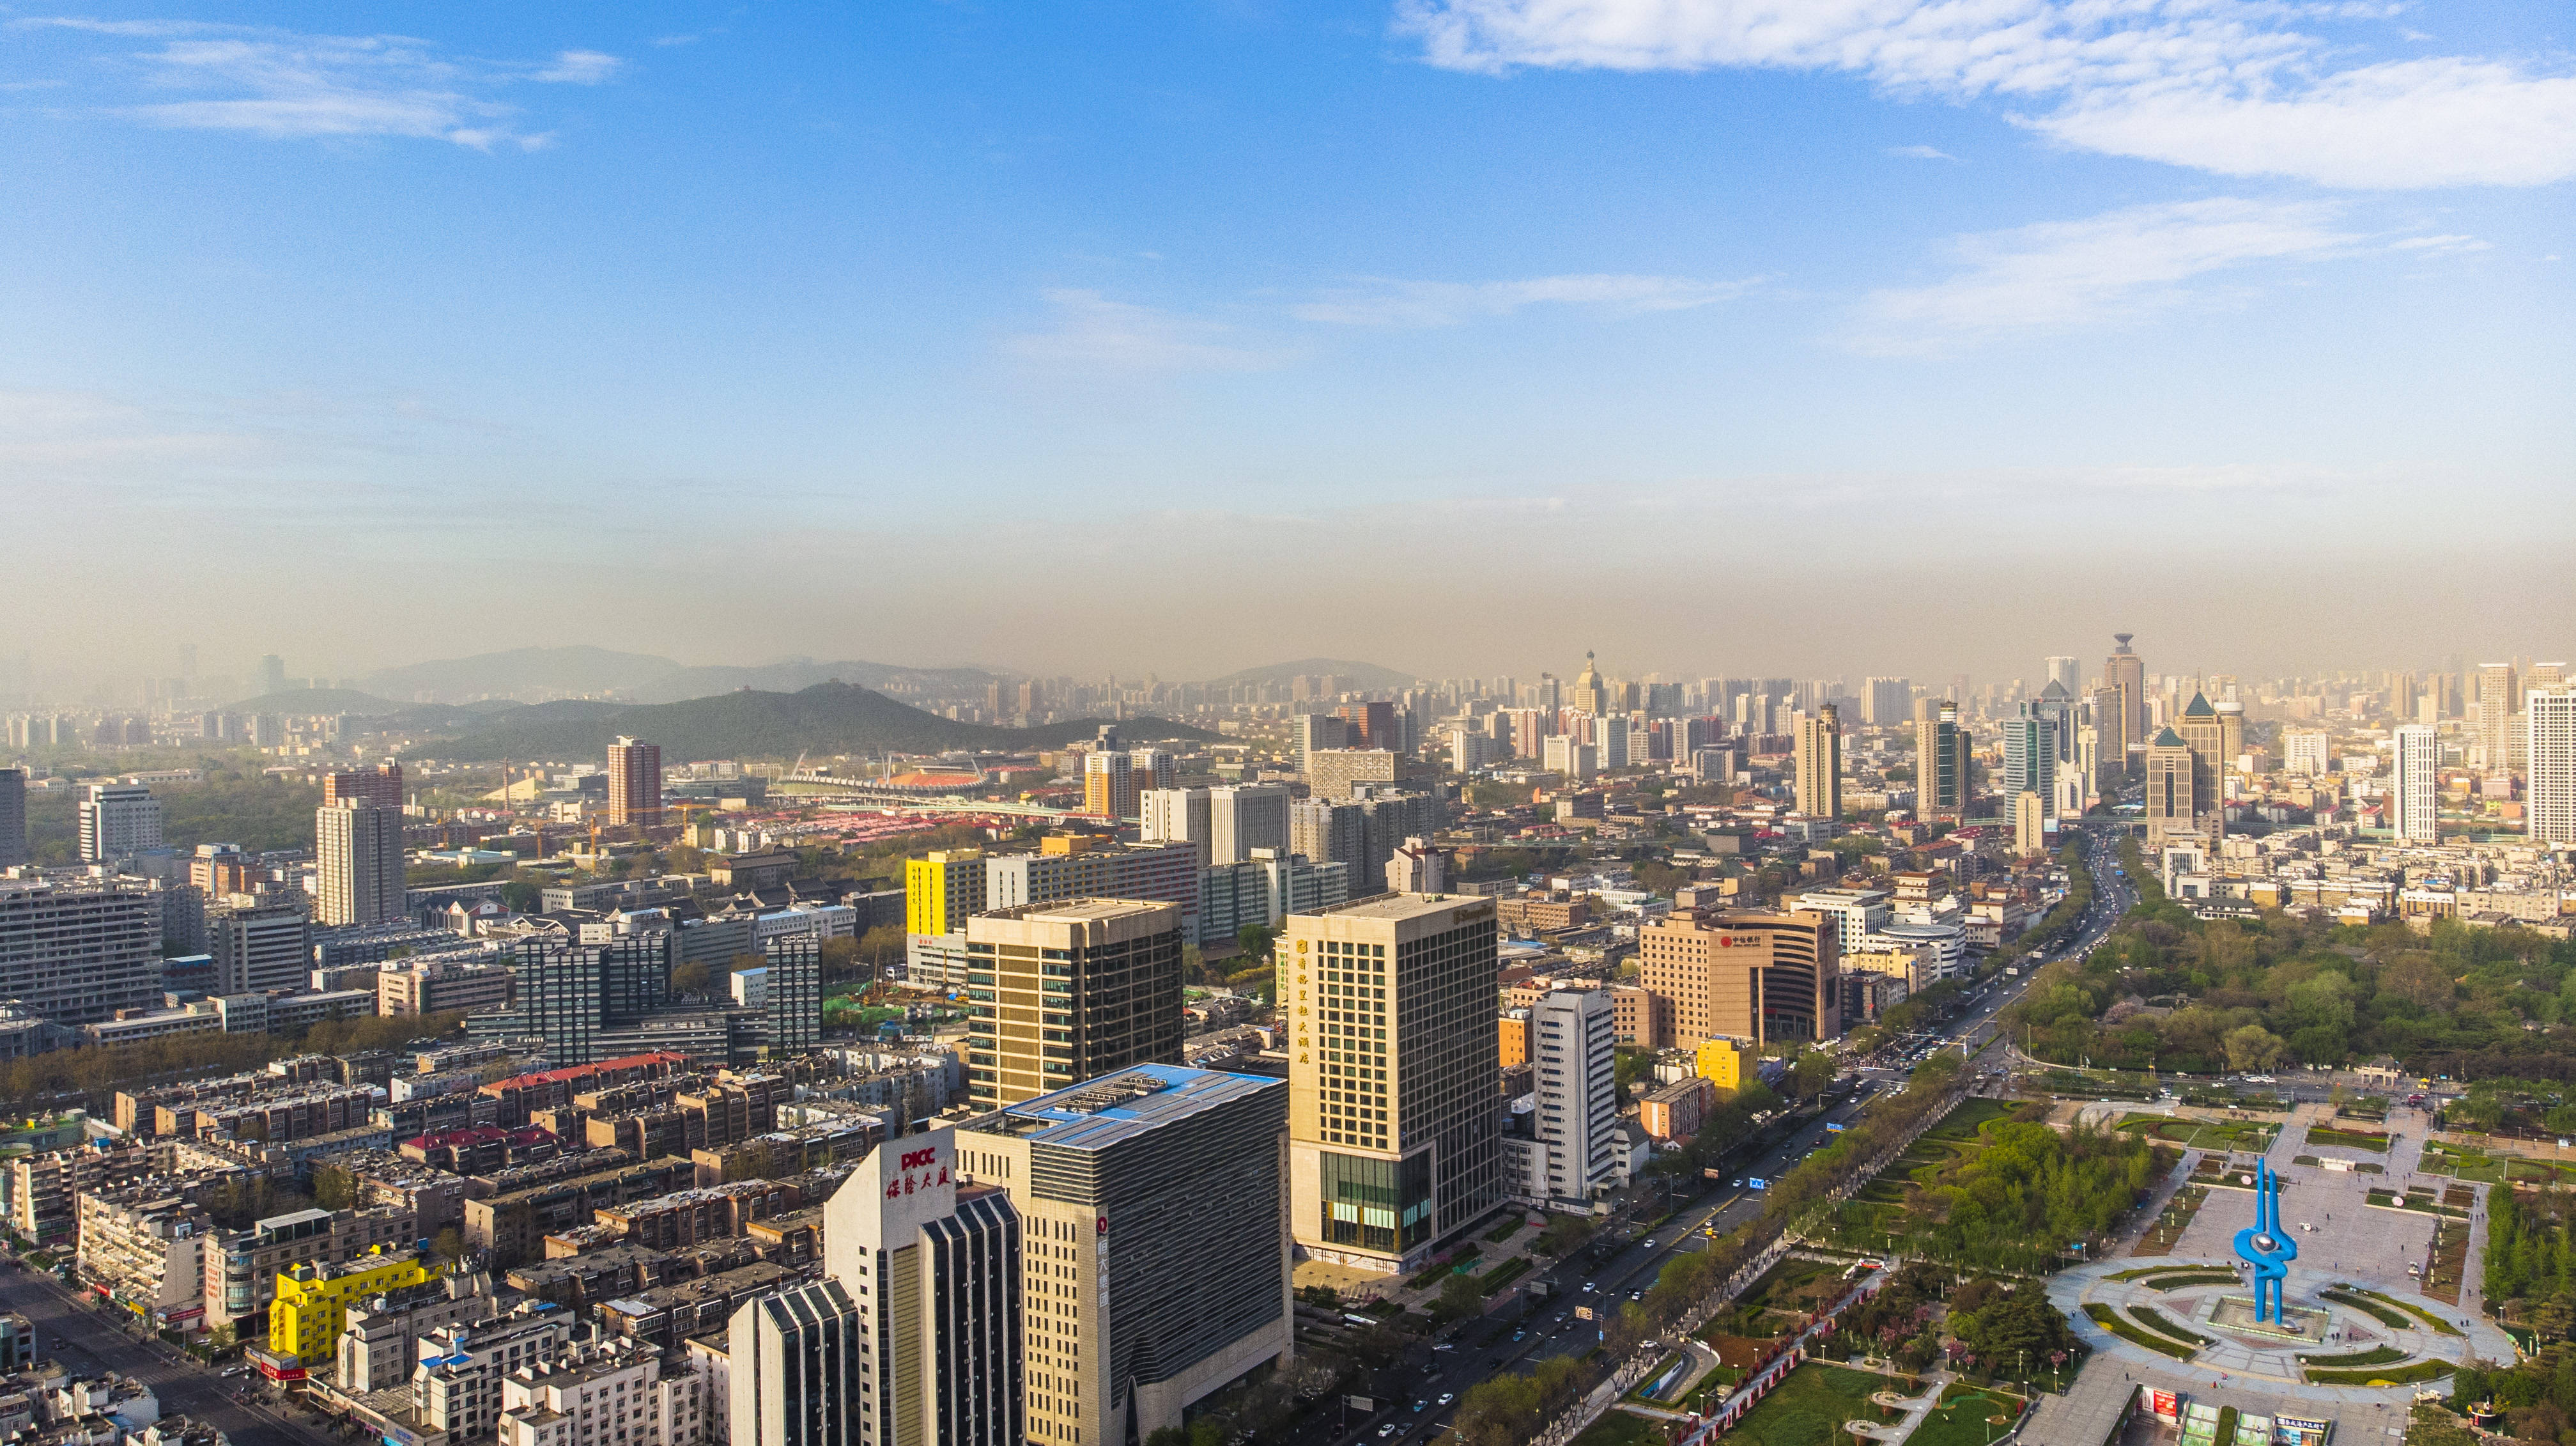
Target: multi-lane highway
(1607, 1274)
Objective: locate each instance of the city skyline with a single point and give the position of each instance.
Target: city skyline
(520, 307)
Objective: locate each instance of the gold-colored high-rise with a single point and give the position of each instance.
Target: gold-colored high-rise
(1820, 763)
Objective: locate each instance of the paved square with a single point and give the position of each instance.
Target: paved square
(2351, 1238)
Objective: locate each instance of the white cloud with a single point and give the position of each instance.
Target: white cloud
(1095, 334)
(581, 67)
(1921, 153)
(1448, 303)
(2217, 85)
(2441, 245)
(283, 85)
(2115, 267)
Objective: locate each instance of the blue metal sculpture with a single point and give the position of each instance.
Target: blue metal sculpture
(2266, 1246)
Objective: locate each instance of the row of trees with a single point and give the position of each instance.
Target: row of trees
(98, 1073)
(2029, 1190)
(2530, 1261)
(1512, 1408)
(2285, 988)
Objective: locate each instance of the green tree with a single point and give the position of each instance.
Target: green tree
(450, 1244)
(335, 1188)
(2252, 1047)
(1811, 1074)
(1254, 939)
(882, 945)
(1564, 1235)
(690, 980)
(1459, 1297)
(522, 896)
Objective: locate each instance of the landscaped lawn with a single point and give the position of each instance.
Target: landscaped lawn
(1810, 1407)
(1964, 1418)
(2347, 1139)
(1618, 1428)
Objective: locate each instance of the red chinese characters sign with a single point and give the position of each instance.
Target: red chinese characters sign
(921, 1171)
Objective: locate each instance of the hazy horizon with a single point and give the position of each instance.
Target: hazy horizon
(1457, 336)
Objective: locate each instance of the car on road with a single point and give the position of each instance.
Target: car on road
(1446, 1398)
(1421, 1406)
(1389, 1429)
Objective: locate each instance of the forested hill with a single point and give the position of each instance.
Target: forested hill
(824, 719)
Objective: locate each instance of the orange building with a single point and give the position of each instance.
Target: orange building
(1743, 974)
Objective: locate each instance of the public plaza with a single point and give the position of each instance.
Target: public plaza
(2380, 1320)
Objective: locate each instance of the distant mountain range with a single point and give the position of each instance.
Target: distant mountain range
(826, 718)
(543, 672)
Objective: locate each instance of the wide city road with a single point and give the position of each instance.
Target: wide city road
(1513, 1338)
(90, 1342)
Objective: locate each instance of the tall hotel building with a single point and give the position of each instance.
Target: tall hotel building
(1820, 763)
(2550, 714)
(1155, 1261)
(2415, 792)
(1394, 1065)
(1064, 992)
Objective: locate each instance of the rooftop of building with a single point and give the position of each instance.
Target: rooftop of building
(1394, 906)
(1078, 911)
(1119, 1107)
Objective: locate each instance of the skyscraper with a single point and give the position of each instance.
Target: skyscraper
(1064, 992)
(795, 994)
(2550, 715)
(1941, 759)
(1152, 767)
(381, 786)
(1574, 1121)
(2499, 699)
(1885, 701)
(936, 1274)
(2172, 811)
(1156, 1264)
(635, 783)
(2030, 754)
(272, 675)
(13, 817)
(2415, 789)
(1395, 1144)
(1369, 725)
(1177, 815)
(794, 1363)
(1109, 784)
(2067, 673)
(2215, 739)
(1820, 763)
(1246, 817)
(358, 849)
(2126, 672)
(1317, 732)
(118, 821)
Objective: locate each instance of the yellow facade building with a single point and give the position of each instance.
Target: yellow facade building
(940, 889)
(1724, 1063)
(313, 1300)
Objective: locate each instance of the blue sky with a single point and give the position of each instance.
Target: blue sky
(1860, 335)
